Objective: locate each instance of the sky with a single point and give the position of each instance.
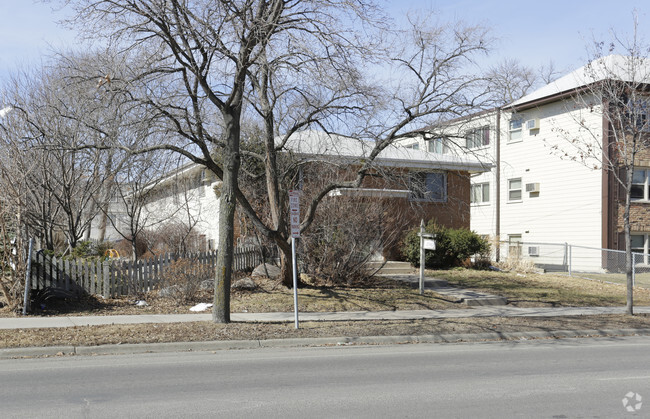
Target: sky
(534, 33)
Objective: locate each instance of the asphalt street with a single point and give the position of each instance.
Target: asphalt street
(541, 378)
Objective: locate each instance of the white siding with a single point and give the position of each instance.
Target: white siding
(568, 206)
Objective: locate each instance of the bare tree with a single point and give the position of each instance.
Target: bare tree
(549, 72)
(612, 112)
(509, 80)
(132, 189)
(198, 67)
(321, 88)
(62, 180)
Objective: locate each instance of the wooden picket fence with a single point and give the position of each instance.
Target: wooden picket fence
(73, 277)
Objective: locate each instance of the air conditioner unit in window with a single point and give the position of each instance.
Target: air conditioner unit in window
(532, 124)
(533, 250)
(532, 187)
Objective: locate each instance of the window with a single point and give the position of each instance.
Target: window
(514, 189)
(430, 187)
(640, 244)
(480, 193)
(514, 246)
(636, 113)
(640, 184)
(414, 146)
(437, 145)
(515, 130)
(478, 137)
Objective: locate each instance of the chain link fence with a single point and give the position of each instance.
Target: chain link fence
(580, 261)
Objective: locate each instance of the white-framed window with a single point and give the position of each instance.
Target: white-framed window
(480, 193)
(514, 189)
(640, 184)
(641, 244)
(413, 146)
(514, 129)
(514, 246)
(428, 186)
(479, 137)
(437, 145)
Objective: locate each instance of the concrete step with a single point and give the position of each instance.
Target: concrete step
(392, 268)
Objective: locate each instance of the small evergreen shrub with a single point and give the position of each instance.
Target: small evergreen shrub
(453, 246)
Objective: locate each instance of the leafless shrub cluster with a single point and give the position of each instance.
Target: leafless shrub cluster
(346, 235)
(182, 279)
(12, 264)
(173, 237)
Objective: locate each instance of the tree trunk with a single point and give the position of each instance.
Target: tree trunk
(629, 307)
(134, 249)
(227, 205)
(286, 266)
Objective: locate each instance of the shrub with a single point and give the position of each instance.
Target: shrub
(87, 249)
(182, 279)
(84, 249)
(346, 234)
(453, 246)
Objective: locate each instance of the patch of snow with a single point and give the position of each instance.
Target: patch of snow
(201, 307)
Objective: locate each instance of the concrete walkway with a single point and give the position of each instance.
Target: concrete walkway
(468, 297)
(485, 311)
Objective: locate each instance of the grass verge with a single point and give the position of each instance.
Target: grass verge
(207, 331)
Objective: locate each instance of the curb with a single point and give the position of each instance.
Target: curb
(138, 348)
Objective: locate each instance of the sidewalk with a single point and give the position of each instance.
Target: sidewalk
(484, 311)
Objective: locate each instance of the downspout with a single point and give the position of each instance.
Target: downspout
(498, 186)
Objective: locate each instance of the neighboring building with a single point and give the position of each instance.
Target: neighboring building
(185, 196)
(541, 189)
(411, 184)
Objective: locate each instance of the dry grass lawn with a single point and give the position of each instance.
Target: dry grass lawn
(532, 289)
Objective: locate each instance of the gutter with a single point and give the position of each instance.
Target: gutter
(498, 186)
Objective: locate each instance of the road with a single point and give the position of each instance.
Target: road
(545, 378)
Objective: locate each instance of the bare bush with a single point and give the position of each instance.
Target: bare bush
(12, 265)
(182, 279)
(173, 237)
(517, 265)
(347, 234)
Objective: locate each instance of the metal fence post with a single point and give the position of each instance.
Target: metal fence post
(570, 260)
(633, 270)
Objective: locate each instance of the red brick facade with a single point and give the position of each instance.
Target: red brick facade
(639, 211)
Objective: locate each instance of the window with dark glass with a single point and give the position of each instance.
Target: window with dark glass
(428, 186)
(640, 182)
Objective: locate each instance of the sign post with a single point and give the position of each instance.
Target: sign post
(427, 242)
(294, 214)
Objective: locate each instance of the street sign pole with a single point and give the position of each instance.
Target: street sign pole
(295, 280)
(422, 260)
(294, 214)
